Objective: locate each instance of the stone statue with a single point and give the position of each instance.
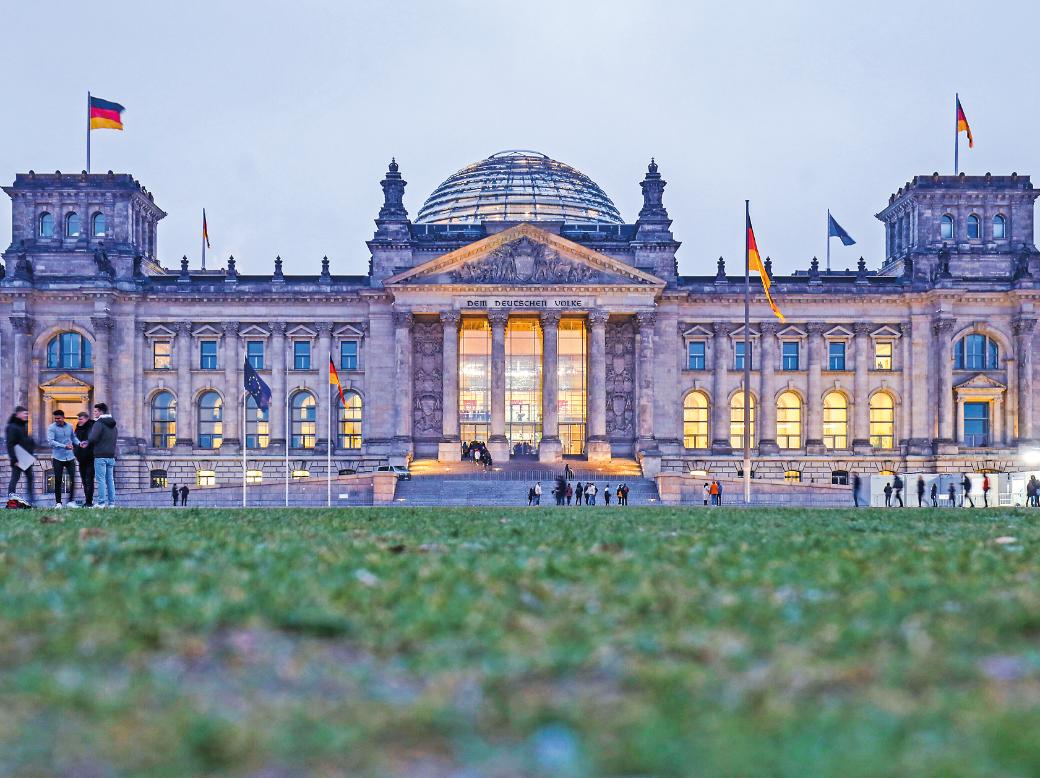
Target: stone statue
(137, 271)
(944, 263)
(720, 273)
(1022, 265)
(523, 261)
(104, 266)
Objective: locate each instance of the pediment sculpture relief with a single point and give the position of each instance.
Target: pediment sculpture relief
(524, 261)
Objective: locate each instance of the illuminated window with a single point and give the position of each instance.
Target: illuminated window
(973, 227)
(211, 420)
(298, 474)
(695, 420)
(999, 227)
(835, 420)
(69, 351)
(157, 479)
(976, 352)
(882, 421)
(97, 225)
(793, 476)
(350, 421)
(695, 355)
(162, 355)
(164, 420)
(789, 420)
(304, 420)
(254, 477)
(523, 385)
(258, 425)
(882, 355)
(474, 379)
(46, 225)
(736, 420)
(946, 227)
(573, 384)
(72, 225)
(205, 478)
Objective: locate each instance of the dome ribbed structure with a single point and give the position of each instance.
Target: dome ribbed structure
(518, 186)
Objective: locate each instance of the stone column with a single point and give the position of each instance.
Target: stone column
(767, 389)
(861, 389)
(814, 401)
(922, 419)
(944, 396)
(498, 445)
(102, 364)
(448, 449)
(21, 326)
(233, 388)
(1023, 330)
(719, 402)
(597, 447)
(277, 359)
(185, 401)
(141, 416)
(646, 444)
(551, 447)
(403, 383)
(326, 395)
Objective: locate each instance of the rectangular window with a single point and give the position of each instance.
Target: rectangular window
(738, 355)
(254, 477)
(205, 478)
(161, 354)
(348, 355)
(976, 424)
(883, 355)
(208, 354)
(255, 354)
(695, 355)
(790, 355)
(836, 355)
(301, 355)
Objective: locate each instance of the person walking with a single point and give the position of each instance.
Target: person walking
(567, 472)
(953, 495)
(934, 494)
(985, 490)
(713, 492)
(103, 438)
(1033, 497)
(590, 493)
(17, 435)
(718, 497)
(530, 496)
(61, 440)
(920, 491)
(888, 495)
(624, 494)
(856, 482)
(897, 486)
(619, 494)
(85, 457)
(538, 493)
(184, 495)
(706, 492)
(966, 487)
(606, 494)
(176, 495)
(579, 494)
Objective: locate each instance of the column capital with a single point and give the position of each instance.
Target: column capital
(21, 324)
(768, 328)
(942, 326)
(1023, 325)
(450, 318)
(550, 319)
(278, 328)
(816, 327)
(230, 328)
(645, 320)
(598, 317)
(403, 319)
(498, 317)
(721, 328)
(325, 327)
(862, 328)
(183, 327)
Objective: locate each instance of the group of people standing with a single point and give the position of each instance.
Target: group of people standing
(90, 446)
(712, 493)
(582, 493)
(478, 452)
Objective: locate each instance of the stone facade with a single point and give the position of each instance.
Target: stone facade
(872, 370)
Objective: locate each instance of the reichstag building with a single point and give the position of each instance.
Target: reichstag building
(520, 308)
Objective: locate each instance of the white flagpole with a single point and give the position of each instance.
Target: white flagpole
(288, 354)
(328, 452)
(245, 404)
(203, 238)
(747, 356)
(88, 132)
(828, 240)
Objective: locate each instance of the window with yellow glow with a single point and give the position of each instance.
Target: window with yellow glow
(523, 385)
(258, 425)
(883, 355)
(736, 421)
(789, 420)
(835, 420)
(303, 419)
(474, 379)
(254, 477)
(205, 478)
(882, 421)
(793, 476)
(349, 421)
(572, 384)
(695, 420)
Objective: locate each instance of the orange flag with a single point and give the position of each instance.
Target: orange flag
(334, 380)
(755, 265)
(962, 124)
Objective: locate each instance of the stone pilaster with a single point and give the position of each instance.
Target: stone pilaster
(922, 386)
(550, 449)
(326, 395)
(102, 325)
(646, 445)
(767, 388)
(1023, 330)
(22, 326)
(719, 402)
(448, 450)
(277, 360)
(814, 401)
(403, 383)
(139, 411)
(597, 446)
(941, 329)
(233, 388)
(861, 389)
(498, 445)
(185, 399)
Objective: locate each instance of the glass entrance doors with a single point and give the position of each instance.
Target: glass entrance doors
(523, 386)
(573, 383)
(474, 380)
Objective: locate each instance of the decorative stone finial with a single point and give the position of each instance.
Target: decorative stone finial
(393, 194)
(653, 185)
(652, 167)
(326, 276)
(720, 273)
(861, 271)
(769, 267)
(278, 276)
(231, 271)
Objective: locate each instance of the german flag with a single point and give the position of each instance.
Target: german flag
(962, 124)
(334, 380)
(755, 264)
(105, 115)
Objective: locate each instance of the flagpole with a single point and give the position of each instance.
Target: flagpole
(747, 356)
(245, 405)
(956, 135)
(88, 132)
(828, 240)
(328, 449)
(288, 353)
(203, 238)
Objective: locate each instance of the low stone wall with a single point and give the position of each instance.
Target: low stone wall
(678, 489)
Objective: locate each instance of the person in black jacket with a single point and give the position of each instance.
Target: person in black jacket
(17, 434)
(103, 437)
(85, 457)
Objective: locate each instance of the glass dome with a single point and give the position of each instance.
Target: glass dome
(518, 186)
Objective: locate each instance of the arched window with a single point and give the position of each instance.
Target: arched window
(695, 420)
(211, 420)
(46, 225)
(973, 226)
(736, 421)
(72, 225)
(97, 225)
(789, 420)
(946, 227)
(164, 420)
(976, 352)
(999, 227)
(69, 351)
(835, 420)
(258, 425)
(303, 418)
(882, 421)
(350, 422)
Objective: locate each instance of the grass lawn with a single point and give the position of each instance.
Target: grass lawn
(516, 642)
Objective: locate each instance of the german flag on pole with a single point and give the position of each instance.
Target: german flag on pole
(962, 124)
(205, 229)
(755, 264)
(334, 380)
(105, 115)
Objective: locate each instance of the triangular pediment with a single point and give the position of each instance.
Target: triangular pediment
(838, 333)
(160, 332)
(206, 331)
(791, 332)
(252, 331)
(981, 381)
(690, 331)
(525, 255)
(886, 332)
(64, 381)
(739, 333)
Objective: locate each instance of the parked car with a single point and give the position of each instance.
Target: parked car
(402, 473)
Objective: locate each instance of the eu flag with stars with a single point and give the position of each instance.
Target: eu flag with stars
(254, 384)
(835, 230)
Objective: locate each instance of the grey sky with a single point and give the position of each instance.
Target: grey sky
(280, 118)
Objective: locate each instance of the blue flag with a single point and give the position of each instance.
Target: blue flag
(258, 390)
(835, 230)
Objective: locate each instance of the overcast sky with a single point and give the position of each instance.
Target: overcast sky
(280, 118)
